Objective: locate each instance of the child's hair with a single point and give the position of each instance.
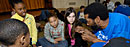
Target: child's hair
(13, 2)
(117, 3)
(79, 23)
(10, 29)
(96, 9)
(67, 13)
(82, 7)
(52, 15)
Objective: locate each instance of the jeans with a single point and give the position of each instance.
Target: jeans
(45, 43)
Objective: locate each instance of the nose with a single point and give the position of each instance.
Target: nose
(23, 10)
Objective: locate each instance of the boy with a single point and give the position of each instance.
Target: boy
(14, 33)
(20, 9)
(81, 15)
(54, 33)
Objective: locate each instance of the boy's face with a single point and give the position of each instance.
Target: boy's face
(53, 21)
(20, 9)
(23, 40)
(82, 10)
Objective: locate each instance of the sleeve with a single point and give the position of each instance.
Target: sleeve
(62, 26)
(47, 34)
(78, 14)
(117, 9)
(33, 31)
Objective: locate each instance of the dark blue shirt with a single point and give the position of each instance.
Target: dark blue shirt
(123, 9)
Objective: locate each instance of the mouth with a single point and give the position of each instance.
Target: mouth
(71, 21)
(23, 13)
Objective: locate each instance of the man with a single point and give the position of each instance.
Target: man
(14, 33)
(20, 9)
(113, 25)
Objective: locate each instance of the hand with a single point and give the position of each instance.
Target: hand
(58, 39)
(55, 42)
(88, 36)
(34, 45)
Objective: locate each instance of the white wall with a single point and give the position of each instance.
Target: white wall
(65, 3)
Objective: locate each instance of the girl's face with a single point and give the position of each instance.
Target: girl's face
(71, 18)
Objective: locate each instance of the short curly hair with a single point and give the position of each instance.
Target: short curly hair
(96, 9)
(10, 29)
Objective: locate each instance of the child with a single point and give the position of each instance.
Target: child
(54, 33)
(14, 33)
(74, 39)
(20, 9)
(80, 15)
(81, 12)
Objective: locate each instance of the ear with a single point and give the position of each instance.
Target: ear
(97, 20)
(13, 9)
(86, 15)
(22, 40)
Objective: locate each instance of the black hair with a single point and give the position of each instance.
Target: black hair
(10, 29)
(96, 9)
(52, 15)
(13, 2)
(117, 3)
(127, 2)
(104, 3)
(67, 13)
(82, 7)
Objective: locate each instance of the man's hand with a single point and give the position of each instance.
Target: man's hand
(88, 36)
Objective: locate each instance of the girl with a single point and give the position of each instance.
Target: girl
(74, 39)
(53, 33)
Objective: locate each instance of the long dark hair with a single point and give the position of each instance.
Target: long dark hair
(67, 13)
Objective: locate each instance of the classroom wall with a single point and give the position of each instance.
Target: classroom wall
(68, 3)
(63, 4)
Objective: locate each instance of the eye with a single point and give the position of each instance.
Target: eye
(20, 9)
(24, 8)
(68, 16)
(73, 16)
